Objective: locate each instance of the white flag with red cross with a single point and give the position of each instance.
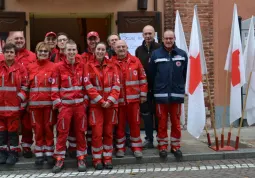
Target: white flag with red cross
(194, 85)
(180, 42)
(235, 65)
(249, 58)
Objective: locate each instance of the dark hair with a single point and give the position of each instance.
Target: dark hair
(8, 46)
(102, 44)
(62, 33)
(111, 35)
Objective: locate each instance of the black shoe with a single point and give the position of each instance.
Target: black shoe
(177, 154)
(27, 153)
(39, 160)
(3, 156)
(82, 167)
(108, 165)
(59, 165)
(163, 154)
(50, 160)
(98, 166)
(148, 144)
(12, 158)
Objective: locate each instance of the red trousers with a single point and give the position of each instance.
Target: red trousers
(130, 113)
(27, 134)
(71, 138)
(162, 111)
(101, 121)
(9, 139)
(43, 120)
(68, 114)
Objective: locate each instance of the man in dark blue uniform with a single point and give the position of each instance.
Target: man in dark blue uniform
(167, 70)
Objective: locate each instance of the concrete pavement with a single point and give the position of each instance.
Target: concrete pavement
(193, 150)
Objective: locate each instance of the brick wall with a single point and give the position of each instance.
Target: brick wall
(205, 13)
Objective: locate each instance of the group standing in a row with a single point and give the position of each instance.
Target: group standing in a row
(89, 97)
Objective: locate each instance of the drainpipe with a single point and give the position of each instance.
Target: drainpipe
(155, 5)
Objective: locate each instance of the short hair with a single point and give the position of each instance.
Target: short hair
(42, 45)
(71, 42)
(62, 33)
(103, 43)
(9, 46)
(111, 35)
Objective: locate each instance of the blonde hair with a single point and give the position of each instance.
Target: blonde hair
(41, 45)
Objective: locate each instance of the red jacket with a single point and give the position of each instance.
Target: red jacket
(132, 79)
(68, 79)
(13, 88)
(89, 55)
(61, 57)
(40, 81)
(102, 82)
(25, 57)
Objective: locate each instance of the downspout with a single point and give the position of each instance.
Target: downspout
(155, 5)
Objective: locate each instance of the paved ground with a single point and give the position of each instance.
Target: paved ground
(242, 168)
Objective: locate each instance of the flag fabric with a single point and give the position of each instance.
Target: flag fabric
(249, 58)
(235, 65)
(194, 86)
(180, 42)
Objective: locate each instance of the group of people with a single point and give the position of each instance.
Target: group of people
(90, 97)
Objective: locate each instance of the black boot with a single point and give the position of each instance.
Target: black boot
(177, 154)
(39, 160)
(12, 157)
(27, 153)
(50, 160)
(3, 156)
(163, 154)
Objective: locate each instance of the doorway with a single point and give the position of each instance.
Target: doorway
(76, 27)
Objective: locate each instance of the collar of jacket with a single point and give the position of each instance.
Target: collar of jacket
(152, 44)
(173, 48)
(13, 67)
(95, 62)
(22, 52)
(75, 62)
(43, 62)
(127, 58)
(88, 50)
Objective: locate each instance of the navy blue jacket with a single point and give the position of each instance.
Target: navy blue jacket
(167, 71)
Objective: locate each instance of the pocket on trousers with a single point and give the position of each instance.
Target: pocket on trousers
(138, 117)
(61, 126)
(92, 117)
(83, 127)
(32, 116)
(115, 116)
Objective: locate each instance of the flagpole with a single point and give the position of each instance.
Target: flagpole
(225, 113)
(229, 134)
(241, 122)
(212, 114)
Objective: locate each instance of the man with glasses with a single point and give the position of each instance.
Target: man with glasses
(167, 72)
(51, 40)
(62, 39)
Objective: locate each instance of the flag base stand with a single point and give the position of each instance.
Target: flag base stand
(225, 148)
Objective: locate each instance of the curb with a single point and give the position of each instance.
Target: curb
(71, 163)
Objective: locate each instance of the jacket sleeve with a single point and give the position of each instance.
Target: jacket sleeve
(115, 91)
(185, 67)
(143, 84)
(90, 89)
(152, 69)
(23, 93)
(55, 92)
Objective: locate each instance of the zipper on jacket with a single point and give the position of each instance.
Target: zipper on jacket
(33, 117)
(109, 82)
(70, 81)
(78, 78)
(45, 76)
(83, 122)
(138, 114)
(63, 123)
(130, 73)
(2, 80)
(36, 81)
(12, 78)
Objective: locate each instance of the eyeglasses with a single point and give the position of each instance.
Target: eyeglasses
(43, 51)
(64, 40)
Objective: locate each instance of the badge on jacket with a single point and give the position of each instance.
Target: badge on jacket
(135, 72)
(51, 80)
(178, 63)
(86, 79)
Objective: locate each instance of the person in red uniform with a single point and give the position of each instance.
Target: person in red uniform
(40, 104)
(103, 87)
(13, 88)
(51, 39)
(133, 92)
(24, 57)
(92, 39)
(69, 100)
